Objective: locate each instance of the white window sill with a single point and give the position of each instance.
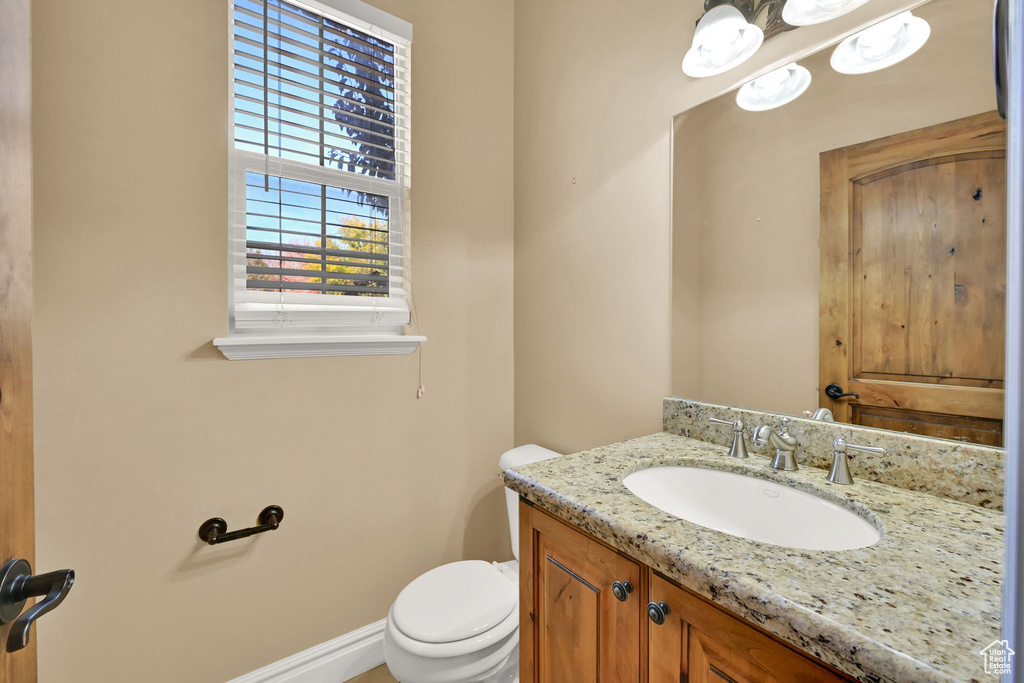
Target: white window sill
(255, 347)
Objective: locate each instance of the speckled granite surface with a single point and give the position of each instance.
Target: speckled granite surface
(962, 471)
(917, 606)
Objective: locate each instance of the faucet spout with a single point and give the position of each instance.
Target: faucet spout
(785, 445)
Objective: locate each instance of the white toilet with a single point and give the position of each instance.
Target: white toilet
(459, 623)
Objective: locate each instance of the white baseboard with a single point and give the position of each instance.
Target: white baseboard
(335, 661)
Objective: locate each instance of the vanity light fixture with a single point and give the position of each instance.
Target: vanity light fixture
(807, 12)
(774, 89)
(724, 39)
(881, 45)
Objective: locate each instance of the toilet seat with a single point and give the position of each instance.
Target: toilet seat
(456, 648)
(439, 605)
(489, 655)
(455, 602)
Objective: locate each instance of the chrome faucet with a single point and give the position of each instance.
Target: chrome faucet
(840, 472)
(823, 414)
(739, 446)
(785, 445)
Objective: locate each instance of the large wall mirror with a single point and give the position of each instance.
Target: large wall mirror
(851, 242)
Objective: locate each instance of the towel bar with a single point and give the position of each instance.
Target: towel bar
(215, 529)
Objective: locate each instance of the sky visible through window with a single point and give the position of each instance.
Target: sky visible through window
(312, 90)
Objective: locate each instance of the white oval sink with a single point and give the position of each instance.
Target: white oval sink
(752, 508)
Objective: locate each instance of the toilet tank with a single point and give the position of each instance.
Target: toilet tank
(517, 457)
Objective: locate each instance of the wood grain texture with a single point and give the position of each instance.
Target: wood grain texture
(572, 627)
(16, 483)
(973, 429)
(701, 643)
(929, 268)
(912, 275)
(570, 642)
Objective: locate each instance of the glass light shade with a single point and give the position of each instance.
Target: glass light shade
(807, 12)
(774, 89)
(882, 45)
(722, 41)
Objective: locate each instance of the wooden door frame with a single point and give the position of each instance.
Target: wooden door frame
(17, 505)
(840, 169)
(1013, 435)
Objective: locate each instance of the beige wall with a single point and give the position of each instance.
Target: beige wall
(596, 85)
(745, 288)
(143, 430)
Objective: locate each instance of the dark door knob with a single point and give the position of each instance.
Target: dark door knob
(18, 585)
(621, 590)
(835, 392)
(657, 611)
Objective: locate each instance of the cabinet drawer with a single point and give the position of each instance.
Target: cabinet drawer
(701, 643)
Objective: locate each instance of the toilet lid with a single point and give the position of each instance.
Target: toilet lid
(454, 602)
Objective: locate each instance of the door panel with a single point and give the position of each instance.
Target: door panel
(571, 651)
(572, 627)
(913, 280)
(930, 271)
(16, 487)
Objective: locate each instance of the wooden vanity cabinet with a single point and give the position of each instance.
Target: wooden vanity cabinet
(574, 629)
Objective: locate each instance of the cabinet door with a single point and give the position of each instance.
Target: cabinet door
(701, 643)
(573, 628)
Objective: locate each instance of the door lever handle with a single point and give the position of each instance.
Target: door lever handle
(17, 585)
(835, 392)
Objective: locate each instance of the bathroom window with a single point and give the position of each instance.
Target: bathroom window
(319, 183)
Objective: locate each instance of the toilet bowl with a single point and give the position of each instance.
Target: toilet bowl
(459, 623)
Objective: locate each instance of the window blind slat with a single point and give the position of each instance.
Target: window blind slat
(305, 235)
(315, 250)
(275, 285)
(378, 264)
(319, 273)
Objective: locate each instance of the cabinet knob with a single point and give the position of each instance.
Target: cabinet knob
(657, 612)
(621, 590)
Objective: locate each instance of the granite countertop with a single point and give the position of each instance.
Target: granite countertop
(917, 606)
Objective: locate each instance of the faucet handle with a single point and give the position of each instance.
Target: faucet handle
(739, 446)
(841, 445)
(737, 425)
(785, 426)
(839, 473)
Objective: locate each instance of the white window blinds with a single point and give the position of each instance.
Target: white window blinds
(320, 167)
